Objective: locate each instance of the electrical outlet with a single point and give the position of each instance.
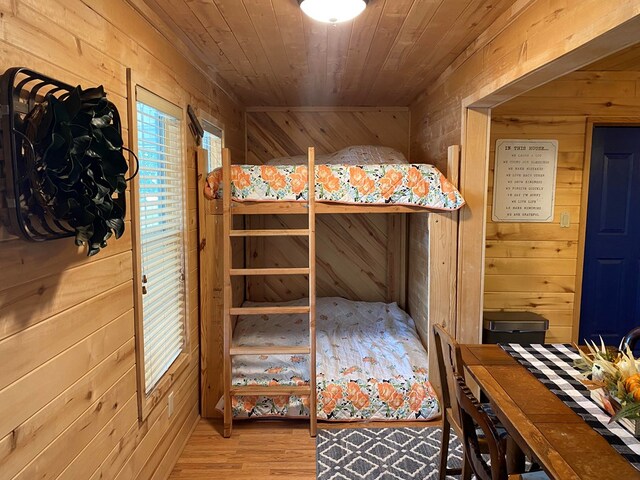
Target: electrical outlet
(170, 404)
(565, 220)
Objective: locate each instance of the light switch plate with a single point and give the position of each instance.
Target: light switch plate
(565, 220)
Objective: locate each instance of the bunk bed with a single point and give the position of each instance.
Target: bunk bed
(271, 372)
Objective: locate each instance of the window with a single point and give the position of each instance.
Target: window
(161, 234)
(212, 142)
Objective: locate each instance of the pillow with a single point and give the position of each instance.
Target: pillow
(355, 155)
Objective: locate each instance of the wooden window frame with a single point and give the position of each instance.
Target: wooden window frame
(206, 118)
(148, 401)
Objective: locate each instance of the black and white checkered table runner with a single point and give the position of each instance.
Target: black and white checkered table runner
(553, 366)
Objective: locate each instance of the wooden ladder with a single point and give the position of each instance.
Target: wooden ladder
(229, 310)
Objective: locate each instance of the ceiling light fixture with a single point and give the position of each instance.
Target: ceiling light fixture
(333, 11)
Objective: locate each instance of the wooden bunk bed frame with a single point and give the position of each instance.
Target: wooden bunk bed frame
(441, 304)
(230, 209)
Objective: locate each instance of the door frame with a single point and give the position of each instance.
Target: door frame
(472, 223)
(476, 107)
(592, 123)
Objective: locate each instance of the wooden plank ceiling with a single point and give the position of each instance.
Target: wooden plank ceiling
(271, 54)
(624, 60)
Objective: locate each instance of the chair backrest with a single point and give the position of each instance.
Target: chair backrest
(449, 365)
(473, 417)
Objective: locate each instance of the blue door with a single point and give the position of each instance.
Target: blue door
(611, 276)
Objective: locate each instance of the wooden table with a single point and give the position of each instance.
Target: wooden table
(544, 427)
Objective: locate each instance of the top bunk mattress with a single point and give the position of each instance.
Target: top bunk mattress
(355, 177)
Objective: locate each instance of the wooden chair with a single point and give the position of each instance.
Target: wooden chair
(474, 420)
(449, 364)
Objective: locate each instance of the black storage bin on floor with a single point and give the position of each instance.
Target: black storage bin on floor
(514, 327)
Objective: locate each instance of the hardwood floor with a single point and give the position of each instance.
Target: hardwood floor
(259, 449)
(255, 451)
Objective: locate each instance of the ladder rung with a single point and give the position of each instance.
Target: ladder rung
(270, 233)
(269, 271)
(267, 391)
(268, 310)
(270, 350)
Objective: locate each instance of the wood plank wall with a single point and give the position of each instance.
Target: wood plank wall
(278, 132)
(359, 269)
(532, 42)
(68, 389)
(352, 256)
(212, 302)
(525, 38)
(532, 266)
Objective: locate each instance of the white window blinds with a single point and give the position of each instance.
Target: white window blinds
(212, 142)
(161, 233)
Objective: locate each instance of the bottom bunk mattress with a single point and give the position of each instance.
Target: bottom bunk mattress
(370, 363)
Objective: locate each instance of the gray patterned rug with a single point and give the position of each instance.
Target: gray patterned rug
(382, 453)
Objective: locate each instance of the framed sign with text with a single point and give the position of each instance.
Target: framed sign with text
(524, 180)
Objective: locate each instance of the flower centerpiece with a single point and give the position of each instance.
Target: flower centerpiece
(613, 377)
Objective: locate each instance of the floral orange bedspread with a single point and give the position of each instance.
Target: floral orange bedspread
(371, 364)
(401, 184)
